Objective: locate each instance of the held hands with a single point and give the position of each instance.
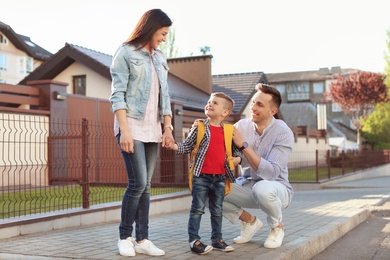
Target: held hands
(170, 144)
(167, 139)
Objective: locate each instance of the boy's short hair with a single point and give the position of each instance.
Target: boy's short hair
(229, 104)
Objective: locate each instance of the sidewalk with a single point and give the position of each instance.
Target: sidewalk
(314, 220)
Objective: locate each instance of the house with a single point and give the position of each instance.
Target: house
(19, 56)
(301, 92)
(86, 72)
(241, 87)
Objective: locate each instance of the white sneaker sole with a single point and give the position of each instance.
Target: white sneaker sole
(242, 240)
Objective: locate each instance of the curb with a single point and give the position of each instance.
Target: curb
(313, 243)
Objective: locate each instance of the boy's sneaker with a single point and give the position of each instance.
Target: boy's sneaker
(248, 230)
(219, 244)
(198, 247)
(126, 247)
(275, 238)
(148, 248)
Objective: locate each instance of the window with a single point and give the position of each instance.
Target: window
(318, 87)
(3, 39)
(2, 81)
(298, 91)
(79, 85)
(25, 65)
(281, 88)
(336, 107)
(29, 64)
(3, 62)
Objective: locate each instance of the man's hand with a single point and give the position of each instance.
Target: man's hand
(237, 138)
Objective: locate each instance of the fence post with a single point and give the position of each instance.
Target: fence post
(342, 162)
(317, 177)
(328, 162)
(84, 161)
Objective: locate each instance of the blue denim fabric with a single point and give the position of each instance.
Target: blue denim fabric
(140, 166)
(212, 187)
(131, 73)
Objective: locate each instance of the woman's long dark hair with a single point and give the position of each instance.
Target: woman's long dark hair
(148, 24)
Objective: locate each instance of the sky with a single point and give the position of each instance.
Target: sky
(270, 36)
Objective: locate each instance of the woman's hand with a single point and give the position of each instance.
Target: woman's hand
(167, 138)
(127, 142)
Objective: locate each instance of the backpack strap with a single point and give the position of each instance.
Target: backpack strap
(228, 136)
(199, 137)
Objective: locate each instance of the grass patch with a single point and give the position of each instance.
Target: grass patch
(56, 198)
(309, 174)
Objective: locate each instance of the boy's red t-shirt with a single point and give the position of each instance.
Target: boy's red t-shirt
(214, 162)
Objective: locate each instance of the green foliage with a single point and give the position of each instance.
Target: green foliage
(377, 126)
(205, 49)
(53, 198)
(387, 59)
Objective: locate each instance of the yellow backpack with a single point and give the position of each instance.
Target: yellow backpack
(228, 135)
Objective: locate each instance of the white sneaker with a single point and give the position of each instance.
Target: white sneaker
(275, 238)
(126, 247)
(248, 230)
(148, 248)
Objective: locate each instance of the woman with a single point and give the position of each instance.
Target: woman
(140, 101)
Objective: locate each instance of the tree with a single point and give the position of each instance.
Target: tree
(205, 49)
(387, 59)
(377, 126)
(168, 48)
(357, 94)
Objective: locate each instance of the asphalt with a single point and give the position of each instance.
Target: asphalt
(314, 220)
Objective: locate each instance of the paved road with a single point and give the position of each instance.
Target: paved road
(369, 240)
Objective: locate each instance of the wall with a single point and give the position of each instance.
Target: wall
(24, 150)
(97, 86)
(13, 75)
(195, 70)
(304, 152)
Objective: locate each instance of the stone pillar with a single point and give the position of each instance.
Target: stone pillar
(53, 97)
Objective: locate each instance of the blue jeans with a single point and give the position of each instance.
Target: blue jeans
(212, 187)
(140, 166)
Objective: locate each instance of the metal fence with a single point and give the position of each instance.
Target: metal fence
(48, 166)
(52, 166)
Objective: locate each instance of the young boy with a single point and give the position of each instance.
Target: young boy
(210, 171)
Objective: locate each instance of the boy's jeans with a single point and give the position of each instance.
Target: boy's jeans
(211, 186)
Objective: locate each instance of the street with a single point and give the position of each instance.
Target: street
(369, 240)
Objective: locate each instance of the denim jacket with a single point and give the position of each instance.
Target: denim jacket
(131, 73)
(188, 145)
